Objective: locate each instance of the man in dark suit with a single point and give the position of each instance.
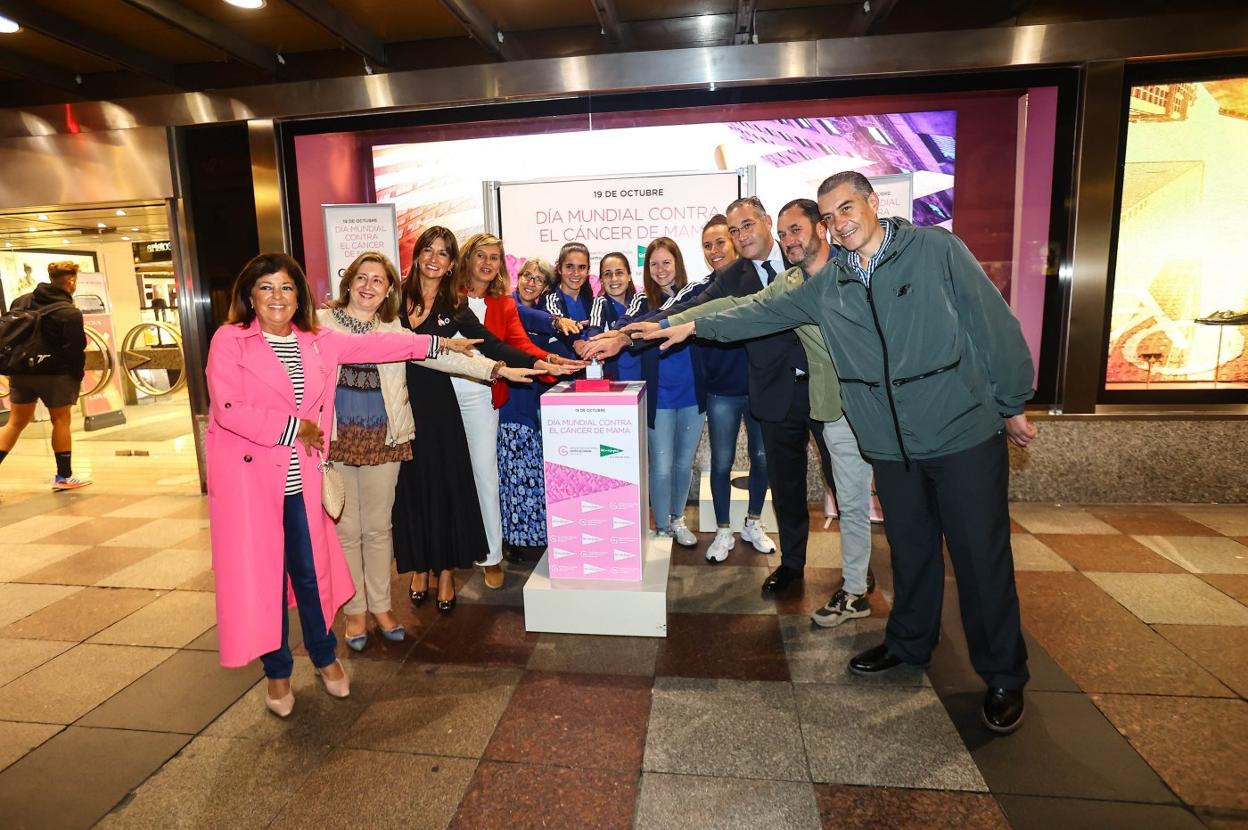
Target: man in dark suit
(779, 396)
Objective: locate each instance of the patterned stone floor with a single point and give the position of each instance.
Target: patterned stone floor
(113, 710)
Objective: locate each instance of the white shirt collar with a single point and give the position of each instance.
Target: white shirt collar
(775, 258)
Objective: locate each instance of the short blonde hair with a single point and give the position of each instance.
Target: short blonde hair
(500, 286)
(389, 308)
(60, 270)
(542, 267)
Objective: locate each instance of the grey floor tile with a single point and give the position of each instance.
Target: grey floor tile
(155, 507)
(1038, 813)
(37, 527)
(81, 614)
(379, 789)
(726, 589)
(1051, 518)
(16, 739)
(317, 718)
(220, 782)
(167, 569)
(20, 656)
(821, 655)
(16, 560)
(205, 642)
(436, 710)
(1228, 519)
(1181, 599)
(76, 777)
(183, 694)
(899, 737)
(72, 684)
(1201, 554)
(159, 533)
(688, 802)
(739, 728)
(588, 654)
(1030, 554)
(1065, 748)
(172, 620)
(18, 601)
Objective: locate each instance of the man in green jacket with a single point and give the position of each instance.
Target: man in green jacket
(803, 238)
(934, 375)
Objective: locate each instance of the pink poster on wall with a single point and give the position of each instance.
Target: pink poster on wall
(594, 449)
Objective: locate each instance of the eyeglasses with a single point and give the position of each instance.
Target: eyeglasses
(536, 279)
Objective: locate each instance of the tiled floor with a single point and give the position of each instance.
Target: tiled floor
(113, 710)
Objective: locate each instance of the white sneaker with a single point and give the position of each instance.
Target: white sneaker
(724, 541)
(755, 533)
(682, 535)
(72, 483)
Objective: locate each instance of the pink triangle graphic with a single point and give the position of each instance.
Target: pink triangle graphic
(566, 483)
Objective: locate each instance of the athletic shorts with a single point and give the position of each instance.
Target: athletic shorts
(53, 390)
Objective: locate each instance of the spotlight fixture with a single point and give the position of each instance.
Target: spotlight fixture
(8, 27)
(43, 217)
(125, 239)
(134, 229)
(247, 4)
(100, 225)
(64, 241)
(8, 244)
(32, 229)
(120, 212)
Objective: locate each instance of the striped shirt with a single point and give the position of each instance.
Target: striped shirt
(864, 274)
(287, 350)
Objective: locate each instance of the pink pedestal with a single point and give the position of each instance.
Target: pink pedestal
(594, 448)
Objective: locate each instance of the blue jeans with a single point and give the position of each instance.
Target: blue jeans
(723, 423)
(317, 638)
(673, 440)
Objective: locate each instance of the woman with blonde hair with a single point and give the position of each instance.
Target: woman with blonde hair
(372, 433)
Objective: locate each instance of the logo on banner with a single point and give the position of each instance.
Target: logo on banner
(589, 507)
(559, 521)
(592, 569)
(622, 554)
(617, 523)
(604, 450)
(560, 553)
(641, 256)
(586, 539)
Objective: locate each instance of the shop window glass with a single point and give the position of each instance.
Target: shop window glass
(1179, 316)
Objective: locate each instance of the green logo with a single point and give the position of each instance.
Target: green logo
(641, 256)
(604, 450)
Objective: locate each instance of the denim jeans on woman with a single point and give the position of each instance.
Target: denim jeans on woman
(723, 424)
(673, 440)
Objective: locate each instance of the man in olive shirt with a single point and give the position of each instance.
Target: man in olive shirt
(803, 238)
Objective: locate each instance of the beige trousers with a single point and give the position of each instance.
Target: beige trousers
(364, 531)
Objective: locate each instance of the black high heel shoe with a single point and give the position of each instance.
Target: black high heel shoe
(418, 597)
(445, 606)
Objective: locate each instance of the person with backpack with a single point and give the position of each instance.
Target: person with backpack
(43, 351)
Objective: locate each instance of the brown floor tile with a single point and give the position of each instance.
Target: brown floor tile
(20, 656)
(488, 635)
(1027, 812)
(1216, 819)
(93, 532)
(171, 620)
(206, 581)
(1107, 553)
(80, 614)
(733, 646)
(89, 566)
(742, 554)
(1195, 744)
(1150, 520)
(68, 686)
(19, 601)
(868, 808)
(1015, 527)
(1100, 644)
(93, 504)
(1233, 585)
(816, 588)
(76, 777)
(591, 654)
(413, 792)
(586, 721)
(16, 739)
(1220, 649)
(519, 796)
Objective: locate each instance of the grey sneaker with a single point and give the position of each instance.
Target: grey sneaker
(843, 606)
(683, 535)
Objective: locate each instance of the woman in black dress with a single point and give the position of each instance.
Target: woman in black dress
(437, 525)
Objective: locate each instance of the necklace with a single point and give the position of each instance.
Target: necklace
(353, 325)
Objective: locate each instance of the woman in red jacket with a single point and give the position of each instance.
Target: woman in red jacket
(483, 276)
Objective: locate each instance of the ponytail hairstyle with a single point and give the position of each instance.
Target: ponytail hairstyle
(654, 292)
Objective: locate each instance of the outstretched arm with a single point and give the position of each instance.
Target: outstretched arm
(763, 316)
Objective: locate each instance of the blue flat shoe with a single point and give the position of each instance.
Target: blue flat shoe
(394, 635)
(358, 642)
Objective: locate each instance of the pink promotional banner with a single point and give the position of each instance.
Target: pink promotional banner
(594, 450)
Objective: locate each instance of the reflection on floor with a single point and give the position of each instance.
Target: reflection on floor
(113, 709)
(153, 452)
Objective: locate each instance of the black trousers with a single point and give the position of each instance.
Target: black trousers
(785, 444)
(963, 497)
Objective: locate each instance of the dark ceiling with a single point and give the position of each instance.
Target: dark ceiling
(72, 50)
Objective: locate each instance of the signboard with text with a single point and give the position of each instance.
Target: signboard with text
(350, 230)
(896, 195)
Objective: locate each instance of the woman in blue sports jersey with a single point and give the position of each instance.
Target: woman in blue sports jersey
(616, 290)
(571, 296)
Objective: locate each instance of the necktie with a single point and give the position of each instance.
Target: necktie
(771, 272)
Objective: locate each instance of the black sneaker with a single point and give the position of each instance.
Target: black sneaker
(843, 606)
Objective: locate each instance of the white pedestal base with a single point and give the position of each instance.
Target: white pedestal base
(574, 606)
(739, 506)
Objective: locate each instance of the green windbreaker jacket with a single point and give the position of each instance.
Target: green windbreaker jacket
(930, 357)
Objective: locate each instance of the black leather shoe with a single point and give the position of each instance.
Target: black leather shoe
(1003, 710)
(445, 606)
(781, 578)
(874, 660)
(418, 597)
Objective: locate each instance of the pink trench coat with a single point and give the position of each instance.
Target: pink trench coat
(252, 401)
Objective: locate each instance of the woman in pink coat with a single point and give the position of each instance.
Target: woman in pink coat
(271, 378)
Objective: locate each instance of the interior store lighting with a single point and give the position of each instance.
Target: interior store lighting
(134, 229)
(120, 212)
(125, 239)
(247, 4)
(8, 26)
(43, 217)
(100, 225)
(32, 229)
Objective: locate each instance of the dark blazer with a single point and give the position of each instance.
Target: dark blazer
(772, 359)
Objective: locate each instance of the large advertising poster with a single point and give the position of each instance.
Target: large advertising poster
(1180, 303)
(615, 213)
(439, 182)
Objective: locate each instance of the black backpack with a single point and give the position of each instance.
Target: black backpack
(22, 347)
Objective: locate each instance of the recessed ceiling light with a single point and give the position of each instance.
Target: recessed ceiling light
(247, 4)
(43, 217)
(64, 241)
(8, 27)
(121, 212)
(100, 225)
(125, 239)
(32, 229)
(8, 244)
(134, 229)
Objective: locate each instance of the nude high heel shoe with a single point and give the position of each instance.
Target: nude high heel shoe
(336, 688)
(282, 706)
